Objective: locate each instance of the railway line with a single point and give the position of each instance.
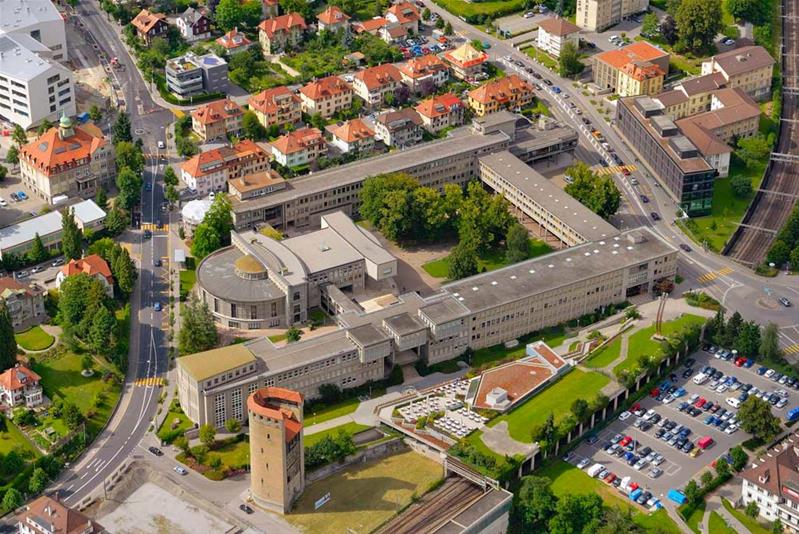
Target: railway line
(779, 190)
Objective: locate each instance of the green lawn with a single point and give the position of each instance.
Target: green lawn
(234, 455)
(555, 399)
(754, 526)
(494, 8)
(316, 414)
(717, 525)
(187, 278)
(493, 259)
(695, 519)
(34, 339)
(12, 438)
(553, 336)
(175, 422)
(641, 343)
(350, 428)
(543, 58)
(605, 356)
(567, 479)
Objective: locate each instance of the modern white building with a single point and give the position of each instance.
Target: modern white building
(33, 85)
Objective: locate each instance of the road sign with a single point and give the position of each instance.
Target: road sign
(321, 502)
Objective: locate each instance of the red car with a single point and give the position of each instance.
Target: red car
(740, 361)
(700, 402)
(654, 393)
(625, 172)
(610, 478)
(635, 407)
(625, 441)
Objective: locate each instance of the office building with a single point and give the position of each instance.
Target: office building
(191, 75)
(749, 68)
(597, 15)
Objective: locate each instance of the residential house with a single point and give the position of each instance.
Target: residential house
(93, 266)
(616, 69)
(399, 129)
(300, 147)
(282, 32)
(277, 106)
(748, 67)
(691, 96)
(404, 14)
(67, 160)
(510, 92)
(150, 25)
(333, 19)
(270, 8)
(217, 120)
(234, 42)
(466, 61)
(371, 26)
(194, 25)
(352, 136)
(326, 96)
(554, 33)
(597, 15)
(210, 171)
(424, 74)
(392, 33)
(439, 112)
(25, 303)
(771, 482)
(190, 75)
(46, 515)
(374, 84)
(19, 386)
(255, 185)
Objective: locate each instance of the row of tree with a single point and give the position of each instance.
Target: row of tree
(548, 433)
(599, 194)
(785, 249)
(747, 337)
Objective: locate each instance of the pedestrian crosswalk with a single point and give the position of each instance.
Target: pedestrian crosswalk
(154, 228)
(792, 349)
(712, 275)
(151, 381)
(616, 169)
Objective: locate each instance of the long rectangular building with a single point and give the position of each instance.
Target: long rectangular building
(476, 312)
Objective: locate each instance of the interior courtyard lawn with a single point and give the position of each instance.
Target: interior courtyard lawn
(34, 339)
(351, 428)
(641, 342)
(567, 479)
(315, 413)
(491, 260)
(235, 455)
(605, 356)
(555, 399)
(553, 336)
(366, 496)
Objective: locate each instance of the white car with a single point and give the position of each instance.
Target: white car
(181, 470)
(732, 401)
(623, 416)
(649, 415)
(3, 202)
(668, 398)
(769, 373)
(582, 464)
(731, 429)
(161, 145)
(722, 388)
(700, 379)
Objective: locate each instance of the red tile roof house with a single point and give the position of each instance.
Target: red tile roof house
(278, 105)
(92, 265)
(333, 19)
(441, 112)
(216, 120)
(234, 42)
(399, 129)
(300, 147)
(46, 515)
(281, 33)
(19, 386)
(375, 83)
(404, 14)
(210, 170)
(352, 136)
(424, 74)
(371, 26)
(150, 25)
(326, 96)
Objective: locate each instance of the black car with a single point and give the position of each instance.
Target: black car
(246, 509)
(717, 375)
(655, 419)
(660, 432)
(695, 411)
(687, 373)
(644, 199)
(592, 439)
(586, 121)
(157, 262)
(156, 451)
(645, 426)
(685, 247)
(690, 362)
(688, 447)
(655, 216)
(645, 451)
(548, 82)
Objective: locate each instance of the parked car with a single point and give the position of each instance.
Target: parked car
(156, 451)
(181, 470)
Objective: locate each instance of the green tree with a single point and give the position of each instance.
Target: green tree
(756, 418)
(3, 173)
(38, 481)
(170, 178)
(214, 232)
(793, 258)
(440, 23)
(12, 156)
(516, 243)
(129, 184)
(171, 194)
(755, 11)
(448, 28)
(668, 29)
(293, 334)
(129, 155)
(569, 63)
(650, 26)
(19, 136)
(86, 362)
(732, 329)
(121, 129)
(101, 199)
(207, 434)
(770, 343)
(462, 261)
(71, 237)
(581, 513)
(426, 14)
(691, 491)
(779, 253)
(581, 410)
(776, 527)
(739, 457)
(534, 504)
(198, 332)
(95, 113)
(37, 253)
(297, 6)
(753, 150)
(752, 510)
(375, 190)
(8, 343)
(698, 23)
(706, 479)
(102, 330)
(546, 435)
(232, 425)
(722, 468)
(124, 270)
(599, 194)
(116, 221)
(252, 127)
(748, 340)
(72, 416)
(741, 185)
(12, 499)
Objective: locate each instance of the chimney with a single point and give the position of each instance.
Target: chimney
(764, 477)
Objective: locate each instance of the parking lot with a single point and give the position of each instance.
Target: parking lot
(677, 466)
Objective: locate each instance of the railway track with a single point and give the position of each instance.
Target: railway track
(779, 191)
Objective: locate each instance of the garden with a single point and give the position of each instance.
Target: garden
(34, 339)
(494, 258)
(175, 424)
(216, 459)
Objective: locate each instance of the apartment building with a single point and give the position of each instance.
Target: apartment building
(399, 129)
(749, 68)
(668, 154)
(440, 112)
(25, 302)
(191, 75)
(234, 42)
(277, 106)
(333, 19)
(217, 120)
(466, 61)
(554, 33)
(692, 96)
(352, 136)
(374, 84)
(194, 25)
(772, 482)
(326, 96)
(67, 160)
(404, 14)
(480, 311)
(424, 74)
(597, 15)
(150, 25)
(638, 68)
(278, 34)
(299, 147)
(255, 185)
(510, 92)
(210, 171)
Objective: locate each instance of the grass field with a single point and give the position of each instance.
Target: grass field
(754, 526)
(493, 259)
(717, 525)
(277, 337)
(350, 428)
(641, 342)
(234, 455)
(555, 399)
(543, 58)
(175, 413)
(605, 356)
(470, 9)
(34, 339)
(187, 278)
(320, 415)
(364, 497)
(553, 336)
(12, 438)
(567, 479)
(695, 519)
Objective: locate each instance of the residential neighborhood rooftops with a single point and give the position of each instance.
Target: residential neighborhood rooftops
(379, 76)
(351, 131)
(211, 160)
(332, 15)
(17, 377)
(500, 89)
(744, 59)
(90, 265)
(50, 152)
(558, 26)
(58, 518)
(637, 51)
(325, 87)
(269, 101)
(233, 39)
(437, 106)
(298, 140)
(283, 23)
(255, 181)
(403, 13)
(217, 111)
(204, 365)
(399, 118)
(146, 20)
(10, 286)
(421, 66)
(371, 25)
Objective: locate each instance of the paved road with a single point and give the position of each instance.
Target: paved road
(148, 356)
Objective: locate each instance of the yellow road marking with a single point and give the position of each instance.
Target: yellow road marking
(149, 382)
(793, 349)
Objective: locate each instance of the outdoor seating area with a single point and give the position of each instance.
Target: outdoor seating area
(457, 387)
(462, 426)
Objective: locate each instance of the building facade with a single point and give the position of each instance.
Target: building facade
(772, 483)
(19, 386)
(194, 25)
(424, 74)
(510, 92)
(440, 112)
(209, 171)
(299, 147)
(25, 303)
(150, 25)
(749, 68)
(639, 66)
(466, 61)
(280, 33)
(352, 136)
(277, 106)
(597, 15)
(554, 33)
(217, 120)
(333, 19)
(191, 75)
(326, 96)
(47, 515)
(93, 266)
(399, 129)
(374, 84)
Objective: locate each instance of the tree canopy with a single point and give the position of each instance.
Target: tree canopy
(569, 63)
(71, 236)
(197, 332)
(534, 504)
(756, 418)
(698, 23)
(214, 232)
(754, 11)
(8, 343)
(599, 194)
